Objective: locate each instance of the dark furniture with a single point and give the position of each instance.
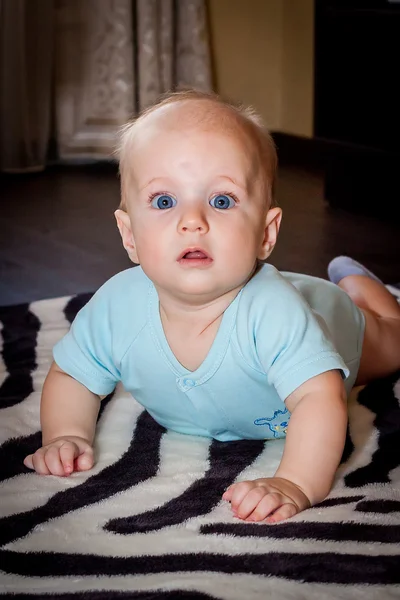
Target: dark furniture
(357, 101)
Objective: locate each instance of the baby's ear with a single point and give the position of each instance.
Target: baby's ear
(125, 229)
(272, 225)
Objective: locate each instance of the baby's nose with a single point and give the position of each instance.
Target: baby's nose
(192, 221)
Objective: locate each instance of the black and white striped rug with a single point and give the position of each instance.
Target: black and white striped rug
(148, 521)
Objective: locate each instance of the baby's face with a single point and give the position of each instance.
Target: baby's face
(197, 208)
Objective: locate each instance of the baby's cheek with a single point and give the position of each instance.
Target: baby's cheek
(151, 257)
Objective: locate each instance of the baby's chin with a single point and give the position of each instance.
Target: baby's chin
(193, 294)
(199, 293)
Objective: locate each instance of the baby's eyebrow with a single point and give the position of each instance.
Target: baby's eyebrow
(240, 184)
(150, 182)
(234, 181)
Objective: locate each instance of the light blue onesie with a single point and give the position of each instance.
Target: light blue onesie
(281, 329)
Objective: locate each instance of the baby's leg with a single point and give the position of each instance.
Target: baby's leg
(381, 347)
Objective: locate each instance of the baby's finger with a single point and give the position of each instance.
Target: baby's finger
(53, 461)
(250, 503)
(240, 491)
(283, 512)
(227, 495)
(269, 503)
(39, 463)
(67, 453)
(28, 462)
(85, 461)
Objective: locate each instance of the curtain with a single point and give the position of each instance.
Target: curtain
(26, 75)
(172, 47)
(93, 64)
(94, 75)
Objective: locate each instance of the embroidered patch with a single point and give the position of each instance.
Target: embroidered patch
(278, 424)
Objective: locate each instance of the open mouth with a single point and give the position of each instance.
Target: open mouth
(194, 257)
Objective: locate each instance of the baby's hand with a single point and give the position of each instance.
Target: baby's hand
(61, 457)
(272, 499)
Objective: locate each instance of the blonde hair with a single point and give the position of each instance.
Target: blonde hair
(245, 116)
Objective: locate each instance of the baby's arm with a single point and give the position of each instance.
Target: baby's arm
(68, 414)
(313, 449)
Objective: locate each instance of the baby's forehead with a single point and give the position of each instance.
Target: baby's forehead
(203, 115)
(183, 123)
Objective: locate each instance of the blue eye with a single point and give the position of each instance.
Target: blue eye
(222, 201)
(163, 201)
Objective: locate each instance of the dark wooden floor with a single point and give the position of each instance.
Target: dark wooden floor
(58, 236)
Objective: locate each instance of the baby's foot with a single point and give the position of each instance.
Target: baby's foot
(342, 266)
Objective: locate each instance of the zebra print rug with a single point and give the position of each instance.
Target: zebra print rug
(148, 521)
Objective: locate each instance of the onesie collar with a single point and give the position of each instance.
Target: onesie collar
(215, 355)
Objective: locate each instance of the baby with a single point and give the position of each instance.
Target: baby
(206, 337)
